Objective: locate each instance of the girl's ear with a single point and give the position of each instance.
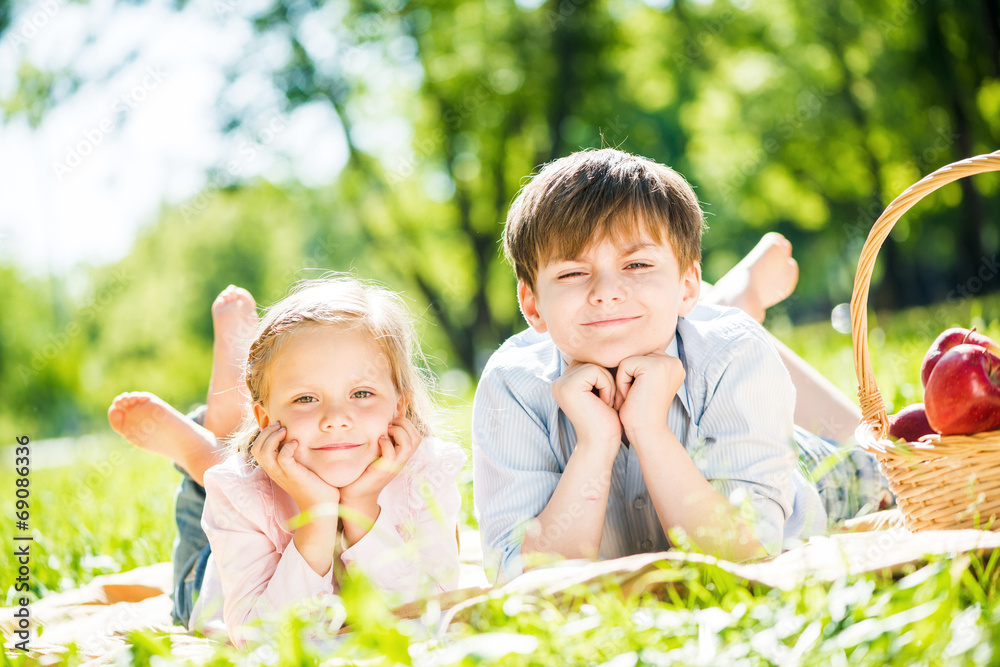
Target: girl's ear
(690, 289)
(401, 406)
(261, 415)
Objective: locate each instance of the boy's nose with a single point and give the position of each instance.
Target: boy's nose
(607, 288)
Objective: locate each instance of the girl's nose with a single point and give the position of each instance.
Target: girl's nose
(335, 417)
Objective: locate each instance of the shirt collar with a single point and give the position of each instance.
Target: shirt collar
(674, 350)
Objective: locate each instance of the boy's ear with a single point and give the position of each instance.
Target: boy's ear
(261, 415)
(690, 289)
(529, 307)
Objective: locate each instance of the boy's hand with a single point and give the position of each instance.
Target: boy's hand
(277, 458)
(396, 448)
(593, 415)
(646, 385)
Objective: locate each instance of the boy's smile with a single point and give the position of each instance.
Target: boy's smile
(614, 301)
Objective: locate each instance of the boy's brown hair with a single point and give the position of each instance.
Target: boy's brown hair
(592, 195)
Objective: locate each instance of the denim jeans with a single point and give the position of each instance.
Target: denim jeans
(191, 548)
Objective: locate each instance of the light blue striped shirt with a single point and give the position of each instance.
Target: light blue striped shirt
(733, 415)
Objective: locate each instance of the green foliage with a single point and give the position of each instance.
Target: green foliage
(806, 118)
(897, 343)
(155, 331)
(779, 113)
(773, 110)
(109, 510)
(939, 614)
(32, 97)
(946, 612)
(40, 346)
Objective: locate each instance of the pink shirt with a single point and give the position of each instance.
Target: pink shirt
(255, 569)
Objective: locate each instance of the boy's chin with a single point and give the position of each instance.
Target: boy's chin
(614, 359)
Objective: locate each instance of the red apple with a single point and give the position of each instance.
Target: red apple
(963, 391)
(910, 423)
(948, 339)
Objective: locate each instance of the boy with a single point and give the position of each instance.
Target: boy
(627, 411)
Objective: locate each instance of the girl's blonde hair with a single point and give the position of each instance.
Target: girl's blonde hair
(340, 301)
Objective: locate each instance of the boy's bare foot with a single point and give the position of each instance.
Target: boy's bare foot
(149, 423)
(234, 317)
(766, 276)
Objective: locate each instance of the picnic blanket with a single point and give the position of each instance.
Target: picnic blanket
(98, 617)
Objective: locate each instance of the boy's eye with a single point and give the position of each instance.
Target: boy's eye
(362, 393)
(637, 265)
(570, 274)
(304, 399)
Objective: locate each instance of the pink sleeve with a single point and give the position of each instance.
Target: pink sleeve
(412, 550)
(257, 577)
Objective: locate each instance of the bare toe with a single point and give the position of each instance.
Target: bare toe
(234, 316)
(234, 297)
(120, 407)
(766, 276)
(148, 422)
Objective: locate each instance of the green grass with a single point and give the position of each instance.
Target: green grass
(113, 510)
(897, 344)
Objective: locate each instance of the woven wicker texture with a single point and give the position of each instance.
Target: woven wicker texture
(948, 481)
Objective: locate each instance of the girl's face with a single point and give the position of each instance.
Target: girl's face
(331, 388)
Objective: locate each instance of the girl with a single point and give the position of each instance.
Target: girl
(335, 469)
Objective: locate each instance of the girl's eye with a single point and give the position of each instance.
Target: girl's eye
(361, 393)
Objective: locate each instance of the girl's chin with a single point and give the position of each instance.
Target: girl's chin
(343, 475)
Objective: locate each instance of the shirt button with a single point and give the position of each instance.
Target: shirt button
(639, 503)
(647, 545)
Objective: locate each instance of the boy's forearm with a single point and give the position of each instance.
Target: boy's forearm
(684, 499)
(572, 523)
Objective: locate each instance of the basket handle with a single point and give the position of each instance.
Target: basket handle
(872, 406)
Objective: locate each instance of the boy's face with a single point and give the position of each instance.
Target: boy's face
(613, 301)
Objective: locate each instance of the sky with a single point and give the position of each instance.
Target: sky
(142, 129)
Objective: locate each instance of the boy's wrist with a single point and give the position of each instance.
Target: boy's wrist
(598, 450)
(650, 435)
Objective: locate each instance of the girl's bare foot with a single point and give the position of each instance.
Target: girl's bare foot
(149, 423)
(234, 317)
(766, 276)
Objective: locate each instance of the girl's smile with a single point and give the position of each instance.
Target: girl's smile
(331, 388)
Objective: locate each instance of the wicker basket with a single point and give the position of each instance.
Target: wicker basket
(950, 481)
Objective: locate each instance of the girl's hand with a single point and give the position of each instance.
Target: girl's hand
(277, 458)
(359, 500)
(396, 448)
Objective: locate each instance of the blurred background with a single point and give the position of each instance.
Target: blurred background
(152, 153)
